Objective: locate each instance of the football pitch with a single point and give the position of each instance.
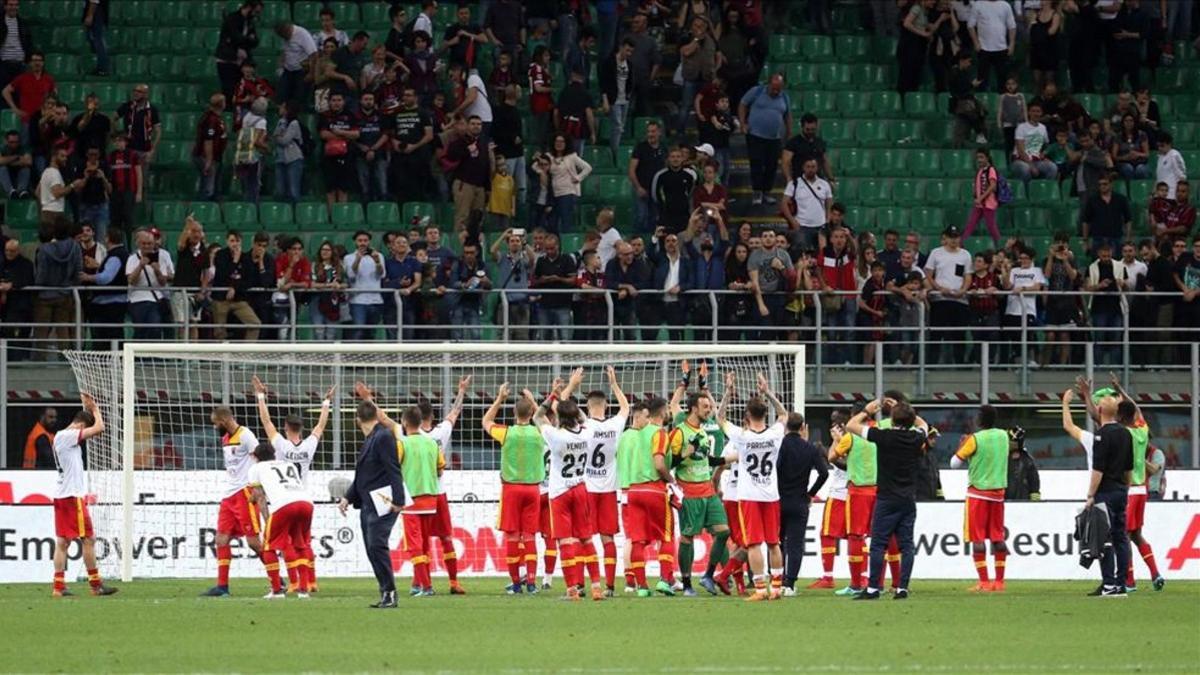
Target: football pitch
(162, 626)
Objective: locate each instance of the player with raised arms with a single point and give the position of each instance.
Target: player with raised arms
(627, 444)
(293, 446)
(71, 517)
(985, 454)
(756, 449)
(650, 519)
(600, 476)
(694, 453)
(442, 527)
(277, 489)
(570, 515)
(522, 469)
(1129, 415)
(238, 516)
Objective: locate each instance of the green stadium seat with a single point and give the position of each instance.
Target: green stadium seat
(1092, 103)
(872, 133)
(836, 76)
(172, 13)
(347, 216)
(312, 215)
(818, 102)
(1065, 217)
(206, 12)
(175, 154)
(817, 47)
(920, 104)
(600, 158)
(854, 103)
(892, 217)
(162, 67)
(9, 120)
(939, 135)
(837, 132)
(800, 75)
(875, 192)
(241, 215)
(609, 190)
(1042, 192)
(383, 214)
(958, 163)
(125, 39)
(908, 191)
(1139, 192)
(22, 213)
(63, 66)
(275, 11)
(111, 94)
(852, 48)
(855, 162)
(71, 92)
(847, 191)
(928, 219)
(784, 48)
(1027, 220)
(886, 104)
(70, 39)
(861, 218)
(374, 14)
(413, 210)
(945, 192)
(883, 49)
(907, 131)
(889, 162)
(873, 76)
(126, 13)
(1186, 134)
(275, 216)
(165, 213)
(130, 66)
(307, 13)
(925, 163)
(204, 41)
(208, 213)
(39, 12)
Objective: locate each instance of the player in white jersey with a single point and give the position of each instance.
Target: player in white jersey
(833, 521)
(442, 527)
(600, 475)
(238, 516)
(570, 516)
(277, 488)
(71, 518)
(293, 446)
(756, 449)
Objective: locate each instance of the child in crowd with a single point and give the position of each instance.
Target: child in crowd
(502, 203)
(1009, 113)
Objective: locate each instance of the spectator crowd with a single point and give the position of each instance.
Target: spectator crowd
(497, 114)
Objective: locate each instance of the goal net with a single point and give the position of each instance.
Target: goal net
(157, 473)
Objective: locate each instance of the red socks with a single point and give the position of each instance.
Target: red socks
(421, 576)
(1001, 558)
(271, 562)
(610, 563)
(530, 555)
(450, 559)
(980, 558)
(59, 584)
(828, 552)
(94, 579)
(637, 559)
(587, 552)
(1148, 557)
(224, 556)
(892, 556)
(293, 575)
(855, 554)
(512, 556)
(549, 556)
(666, 561)
(571, 562)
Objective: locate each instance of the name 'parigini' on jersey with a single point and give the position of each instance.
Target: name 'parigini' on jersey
(600, 475)
(568, 457)
(238, 451)
(757, 454)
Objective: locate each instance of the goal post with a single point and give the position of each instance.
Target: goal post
(157, 472)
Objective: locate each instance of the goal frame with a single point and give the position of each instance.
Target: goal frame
(131, 351)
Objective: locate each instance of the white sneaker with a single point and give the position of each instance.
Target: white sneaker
(789, 592)
(1033, 364)
(547, 581)
(630, 589)
(768, 199)
(302, 596)
(757, 199)
(275, 595)
(981, 139)
(677, 586)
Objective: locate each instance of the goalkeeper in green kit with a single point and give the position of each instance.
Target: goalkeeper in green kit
(695, 446)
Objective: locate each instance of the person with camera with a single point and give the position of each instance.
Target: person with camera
(514, 265)
(234, 272)
(364, 271)
(469, 279)
(149, 269)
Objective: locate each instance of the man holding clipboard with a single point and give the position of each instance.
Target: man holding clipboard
(378, 493)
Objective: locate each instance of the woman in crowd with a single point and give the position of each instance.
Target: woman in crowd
(1131, 150)
(567, 173)
(1044, 54)
(325, 307)
(737, 308)
(289, 154)
(1062, 311)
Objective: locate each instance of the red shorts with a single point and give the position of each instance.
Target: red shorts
(441, 527)
(290, 527)
(833, 523)
(571, 515)
(860, 506)
(417, 528)
(238, 516)
(71, 518)
(760, 522)
(518, 508)
(603, 506)
(983, 520)
(650, 517)
(1135, 512)
(544, 515)
(735, 524)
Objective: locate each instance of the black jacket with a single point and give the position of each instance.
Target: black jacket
(378, 465)
(606, 72)
(239, 276)
(237, 32)
(929, 479)
(1023, 481)
(23, 34)
(797, 460)
(18, 303)
(1092, 533)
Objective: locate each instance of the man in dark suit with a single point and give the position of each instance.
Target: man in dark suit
(378, 466)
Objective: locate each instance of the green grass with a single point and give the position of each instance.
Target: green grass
(161, 626)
